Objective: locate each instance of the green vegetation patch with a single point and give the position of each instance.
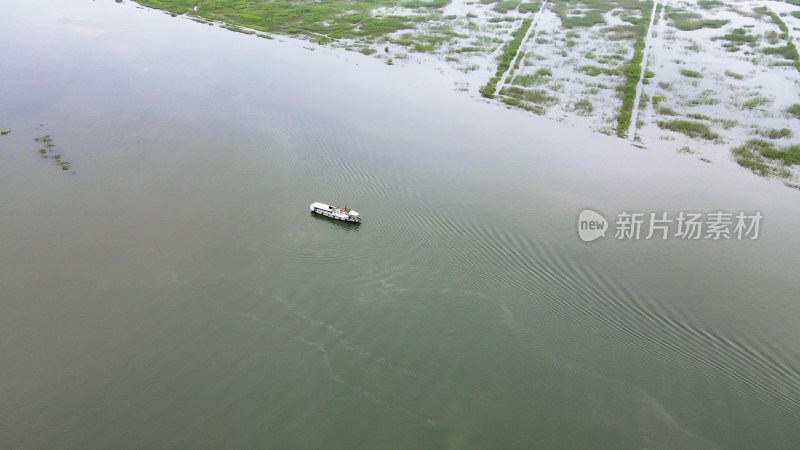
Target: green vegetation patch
(735, 75)
(529, 7)
(689, 128)
(705, 98)
(4, 132)
(698, 116)
(513, 101)
(794, 110)
(621, 32)
(47, 152)
(173, 6)
(537, 96)
(594, 71)
(691, 73)
(587, 13)
(709, 4)
(632, 73)
(583, 107)
(505, 6)
(755, 102)
(775, 133)
(528, 80)
(754, 154)
(333, 19)
(690, 21)
(505, 58)
(737, 36)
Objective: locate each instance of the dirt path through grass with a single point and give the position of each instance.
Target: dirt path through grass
(645, 55)
(520, 50)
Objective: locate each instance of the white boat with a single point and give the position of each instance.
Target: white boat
(334, 212)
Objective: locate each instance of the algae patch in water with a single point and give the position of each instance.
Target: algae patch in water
(47, 152)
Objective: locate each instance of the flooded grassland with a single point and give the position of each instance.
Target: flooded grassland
(714, 79)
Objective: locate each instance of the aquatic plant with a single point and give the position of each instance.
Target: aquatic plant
(666, 111)
(754, 153)
(516, 102)
(583, 107)
(509, 52)
(698, 116)
(594, 71)
(775, 133)
(527, 80)
(690, 21)
(4, 132)
(529, 7)
(691, 73)
(709, 4)
(689, 128)
(47, 149)
(632, 72)
(735, 75)
(538, 96)
(755, 102)
(794, 110)
(737, 36)
(505, 6)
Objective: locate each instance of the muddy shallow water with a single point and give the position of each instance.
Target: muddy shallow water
(175, 290)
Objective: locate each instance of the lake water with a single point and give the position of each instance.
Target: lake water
(174, 291)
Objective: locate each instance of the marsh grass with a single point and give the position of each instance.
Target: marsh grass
(775, 133)
(689, 128)
(726, 124)
(755, 102)
(4, 132)
(505, 6)
(794, 110)
(791, 185)
(621, 32)
(788, 51)
(505, 58)
(738, 36)
(734, 75)
(691, 73)
(537, 96)
(690, 21)
(332, 19)
(529, 7)
(583, 107)
(709, 4)
(705, 98)
(518, 103)
(697, 116)
(594, 71)
(528, 80)
(754, 154)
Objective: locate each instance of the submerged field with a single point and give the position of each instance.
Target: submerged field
(718, 79)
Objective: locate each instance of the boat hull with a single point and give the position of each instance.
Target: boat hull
(336, 216)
